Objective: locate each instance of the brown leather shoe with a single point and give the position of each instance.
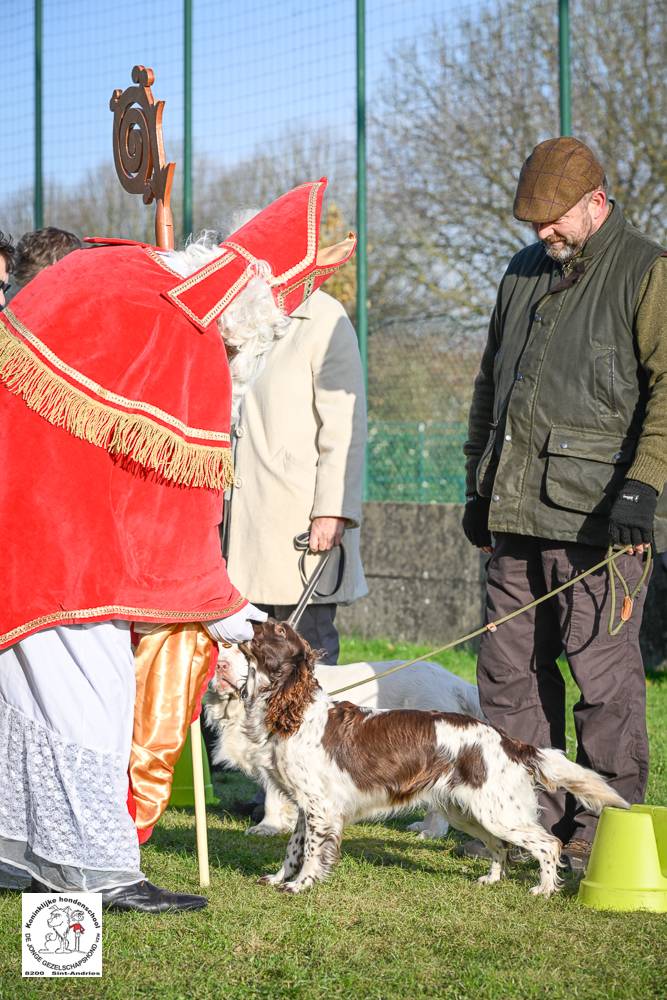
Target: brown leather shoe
(575, 854)
(142, 897)
(476, 849)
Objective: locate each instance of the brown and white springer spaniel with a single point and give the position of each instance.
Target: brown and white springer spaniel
(424, 686)
(339, 762)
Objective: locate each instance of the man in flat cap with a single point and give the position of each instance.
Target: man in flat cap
(567, 454)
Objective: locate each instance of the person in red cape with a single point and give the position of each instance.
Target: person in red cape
(115, 396)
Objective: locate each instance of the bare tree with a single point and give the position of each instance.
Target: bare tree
(458, 116)
(221, 192)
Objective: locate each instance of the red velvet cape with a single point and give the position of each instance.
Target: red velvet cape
(114, 444)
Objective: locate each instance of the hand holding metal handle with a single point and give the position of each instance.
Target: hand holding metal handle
(301, 544)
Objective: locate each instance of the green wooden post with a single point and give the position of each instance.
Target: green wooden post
(361, 260)
(38, 192)
(564, 67)
(187, 118)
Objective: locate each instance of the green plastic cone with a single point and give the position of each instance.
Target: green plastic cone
(183, 789)
(627, 869)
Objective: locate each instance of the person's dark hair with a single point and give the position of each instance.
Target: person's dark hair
(38, 249)
(7, 250)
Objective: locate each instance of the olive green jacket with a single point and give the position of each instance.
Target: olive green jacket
(571, 397)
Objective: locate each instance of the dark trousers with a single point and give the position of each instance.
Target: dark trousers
(521, 687)
(316, 626)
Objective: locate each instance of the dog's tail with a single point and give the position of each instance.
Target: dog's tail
(553, 770)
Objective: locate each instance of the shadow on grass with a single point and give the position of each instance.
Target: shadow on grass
(256, 856)
(252, 854)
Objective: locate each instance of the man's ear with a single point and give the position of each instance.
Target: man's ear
(597, 203)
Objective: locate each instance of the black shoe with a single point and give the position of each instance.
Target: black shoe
(240, 808)
(253, 807)
(143, 897)
(148, 898)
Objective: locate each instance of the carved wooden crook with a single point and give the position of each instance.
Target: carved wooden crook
(138, 150)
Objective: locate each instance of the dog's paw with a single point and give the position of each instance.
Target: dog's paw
(542, 890)
(417, 827)
(488, 879)
(271, 879)
(291, 888)
(263, 830)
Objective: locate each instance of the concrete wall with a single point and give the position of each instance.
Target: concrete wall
(426, 582)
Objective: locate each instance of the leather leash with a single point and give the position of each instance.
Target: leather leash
(610, 561)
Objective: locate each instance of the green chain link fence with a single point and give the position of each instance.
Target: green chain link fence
(456, 96)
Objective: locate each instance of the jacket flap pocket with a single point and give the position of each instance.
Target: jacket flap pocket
(596, 446)
(585, 469)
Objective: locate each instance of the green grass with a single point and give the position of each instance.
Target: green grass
(400, 918)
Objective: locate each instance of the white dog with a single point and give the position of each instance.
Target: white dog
(424, 685)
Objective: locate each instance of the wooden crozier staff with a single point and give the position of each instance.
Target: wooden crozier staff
(172, 662)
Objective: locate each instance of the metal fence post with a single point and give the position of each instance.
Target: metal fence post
(38, 198)
(362, 263)
(421, 461)
(187, 118)
(564, 67)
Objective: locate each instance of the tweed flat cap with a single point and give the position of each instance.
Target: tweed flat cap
(555, 176)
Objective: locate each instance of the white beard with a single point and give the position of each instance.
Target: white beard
(251, 324)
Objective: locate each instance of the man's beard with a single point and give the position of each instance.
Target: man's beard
(568, 246)
(567, 251)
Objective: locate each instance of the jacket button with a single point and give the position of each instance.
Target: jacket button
(618, 456)
(519, 377)
(239, 432)
(564, 444)
(537, 317)
(508, 437)
(495, 497)
(238, 482)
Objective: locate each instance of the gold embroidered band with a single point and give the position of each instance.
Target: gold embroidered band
(109, 611)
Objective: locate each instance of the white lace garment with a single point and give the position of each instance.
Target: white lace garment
(66, 699)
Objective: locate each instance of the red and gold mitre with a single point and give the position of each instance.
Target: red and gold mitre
(286, 236)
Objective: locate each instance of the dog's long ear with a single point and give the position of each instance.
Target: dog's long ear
(292, 695)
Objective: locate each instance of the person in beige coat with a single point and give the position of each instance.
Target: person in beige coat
(299, 455)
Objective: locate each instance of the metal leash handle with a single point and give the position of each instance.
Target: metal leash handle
(310, 583)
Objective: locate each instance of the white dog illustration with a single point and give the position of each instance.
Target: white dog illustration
(56, 941)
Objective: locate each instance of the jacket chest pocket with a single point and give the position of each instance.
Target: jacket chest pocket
(604, 372)
(585, 469)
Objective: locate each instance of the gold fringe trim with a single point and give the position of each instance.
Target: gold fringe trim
(126, 434)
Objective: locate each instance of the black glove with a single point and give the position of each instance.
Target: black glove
(632, 514)
(476, 520)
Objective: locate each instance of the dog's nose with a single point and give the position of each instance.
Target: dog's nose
(223, 678)
(224, 669)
